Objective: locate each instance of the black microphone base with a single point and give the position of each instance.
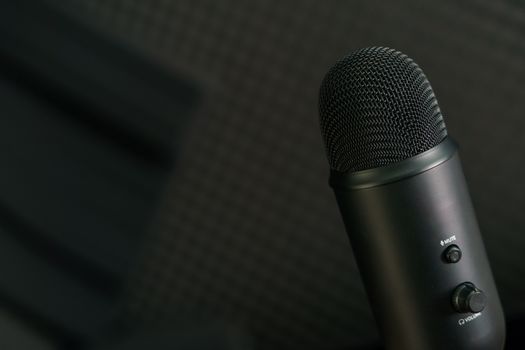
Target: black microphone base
(406, 235)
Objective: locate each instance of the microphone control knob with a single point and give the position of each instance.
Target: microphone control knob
(467, 298)
(452, 254)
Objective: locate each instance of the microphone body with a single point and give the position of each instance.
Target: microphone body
(401, 220)
(404, 200)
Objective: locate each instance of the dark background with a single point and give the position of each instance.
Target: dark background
(245, 232)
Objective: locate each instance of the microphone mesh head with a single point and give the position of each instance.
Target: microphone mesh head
(377, 108)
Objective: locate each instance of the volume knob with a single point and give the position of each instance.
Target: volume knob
(468, 298)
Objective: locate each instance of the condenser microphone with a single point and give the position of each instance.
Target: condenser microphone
(401, 191)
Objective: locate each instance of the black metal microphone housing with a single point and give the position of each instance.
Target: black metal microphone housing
(404, 200)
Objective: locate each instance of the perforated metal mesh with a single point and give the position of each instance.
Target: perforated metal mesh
(377, 108)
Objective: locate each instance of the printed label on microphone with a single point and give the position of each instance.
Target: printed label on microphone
(464, 321)
(448, 240)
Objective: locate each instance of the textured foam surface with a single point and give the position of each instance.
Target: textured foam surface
(249, 230)
(377, 108)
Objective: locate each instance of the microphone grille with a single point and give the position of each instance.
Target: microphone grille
(376, 108)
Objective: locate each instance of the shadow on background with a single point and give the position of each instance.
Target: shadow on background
(89, 135)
